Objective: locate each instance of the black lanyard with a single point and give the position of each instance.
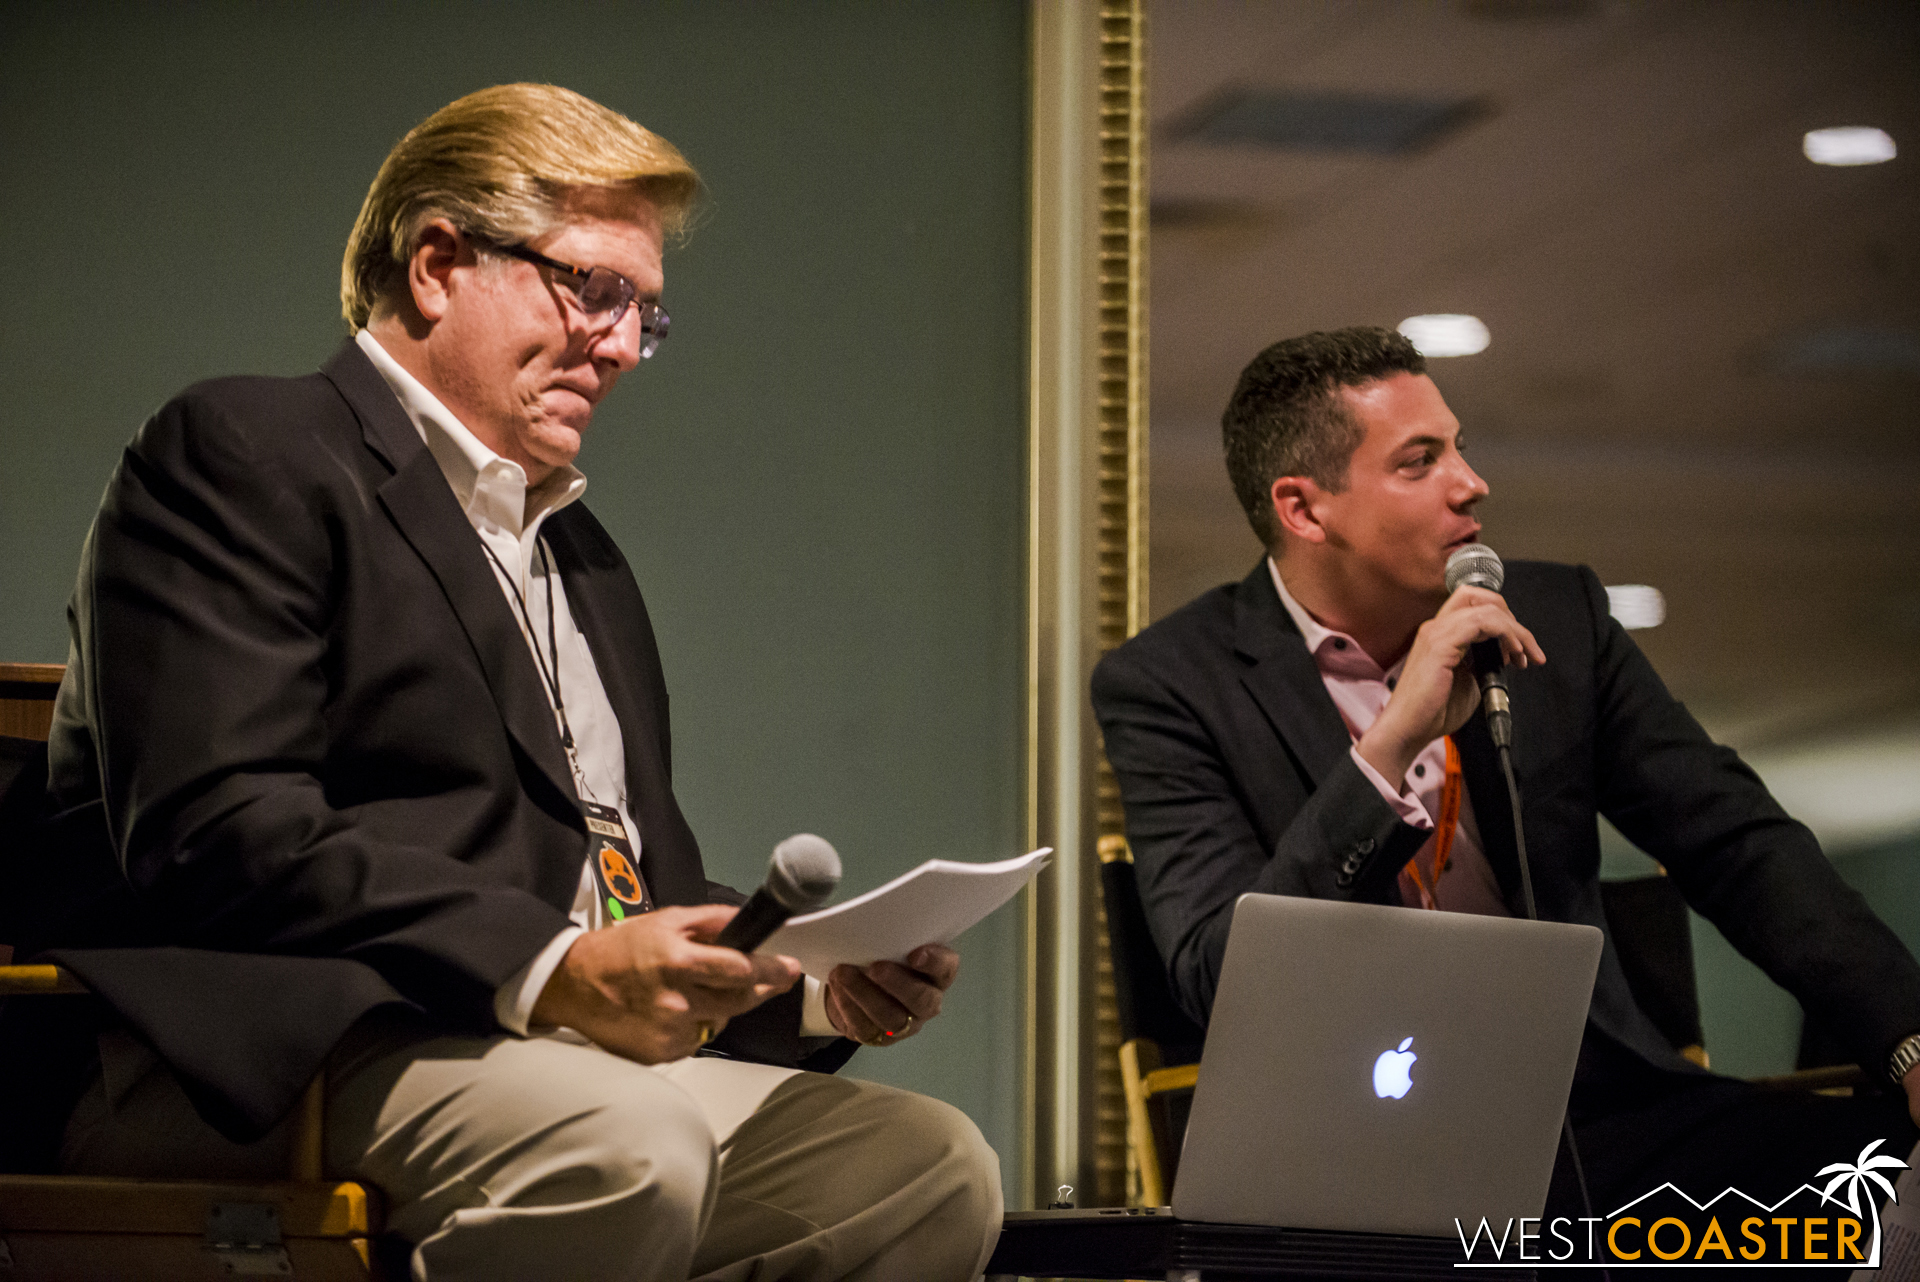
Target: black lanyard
(611, 855)
(549, 673)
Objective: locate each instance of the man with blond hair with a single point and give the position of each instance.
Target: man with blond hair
(357, 688)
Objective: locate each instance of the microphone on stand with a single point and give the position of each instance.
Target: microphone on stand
(1477, 565)
(801, 876)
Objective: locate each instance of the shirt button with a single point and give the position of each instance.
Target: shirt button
(1392, 682)
(1339, 643)
(1419, 772)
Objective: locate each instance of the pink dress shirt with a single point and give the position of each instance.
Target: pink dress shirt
(1360, 689)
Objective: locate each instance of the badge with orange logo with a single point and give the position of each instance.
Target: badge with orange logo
(619, 875)
(621, 889)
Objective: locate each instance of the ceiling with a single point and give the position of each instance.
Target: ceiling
(1701, 373)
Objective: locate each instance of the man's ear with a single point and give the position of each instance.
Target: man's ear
(1294, 499)
(430, 270)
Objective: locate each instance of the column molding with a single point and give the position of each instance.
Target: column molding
(1063, 394)
(1086, 566)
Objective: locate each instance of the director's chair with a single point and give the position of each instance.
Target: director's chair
(56, 1228)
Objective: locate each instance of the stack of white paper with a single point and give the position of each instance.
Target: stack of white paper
(932, 904)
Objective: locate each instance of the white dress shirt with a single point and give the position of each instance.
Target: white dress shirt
(1360, 690)
(507, 515)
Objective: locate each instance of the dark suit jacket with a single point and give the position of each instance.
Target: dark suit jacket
(1234, 766)
(305, 715)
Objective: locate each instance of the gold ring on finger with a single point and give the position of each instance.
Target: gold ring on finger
(888, 1037)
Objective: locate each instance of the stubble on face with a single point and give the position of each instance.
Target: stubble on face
(518, 362)
(1409, 498)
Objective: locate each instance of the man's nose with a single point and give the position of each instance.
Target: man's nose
(620, 341)
(1471, 488)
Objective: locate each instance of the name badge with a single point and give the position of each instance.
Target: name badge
(616, 873)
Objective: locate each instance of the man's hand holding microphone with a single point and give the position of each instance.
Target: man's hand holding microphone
(1437, 690)
(659, 985)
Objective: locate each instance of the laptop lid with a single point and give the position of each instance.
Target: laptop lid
(1383, 1070)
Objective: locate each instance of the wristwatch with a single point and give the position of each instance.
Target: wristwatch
(1905, 1056)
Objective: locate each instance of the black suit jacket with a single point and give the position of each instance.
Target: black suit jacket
(1234, 766)
(302, 711)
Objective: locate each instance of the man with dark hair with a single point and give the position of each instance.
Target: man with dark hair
(1300, 733)
(370, 706)
(1282, 421)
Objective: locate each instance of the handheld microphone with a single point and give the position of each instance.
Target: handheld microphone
(802, 875)
(1478, 565)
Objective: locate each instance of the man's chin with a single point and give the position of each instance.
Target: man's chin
(556, 446)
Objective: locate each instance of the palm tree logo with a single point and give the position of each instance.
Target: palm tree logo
(1855, 1176)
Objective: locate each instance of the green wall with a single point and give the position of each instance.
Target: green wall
(820, 481)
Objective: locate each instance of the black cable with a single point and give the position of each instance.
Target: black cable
(1533, 914)
(1579, 1171)
(1519, 834)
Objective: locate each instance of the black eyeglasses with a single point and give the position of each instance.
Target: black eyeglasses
(603, 294)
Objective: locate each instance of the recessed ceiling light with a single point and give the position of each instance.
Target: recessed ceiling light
(1636, 605)
(1853, 145)
(1446, 334)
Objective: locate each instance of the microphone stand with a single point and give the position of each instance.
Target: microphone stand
(1500, 725)
(1480, 566)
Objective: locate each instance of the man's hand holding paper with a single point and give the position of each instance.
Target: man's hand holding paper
(887, 1002)
(932, 904)
(884, 955)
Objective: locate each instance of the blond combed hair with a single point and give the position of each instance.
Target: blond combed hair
(498, 164)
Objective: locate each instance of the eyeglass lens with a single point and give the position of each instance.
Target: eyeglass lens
(604, 290)
(604, 296)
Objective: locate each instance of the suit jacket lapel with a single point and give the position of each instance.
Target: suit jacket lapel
(1283, 679)
(607, 609)
(422, 504)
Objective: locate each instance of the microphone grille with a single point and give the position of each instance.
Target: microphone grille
(804, 872)
(1477, 565)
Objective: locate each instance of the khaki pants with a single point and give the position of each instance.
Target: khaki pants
(513, 1158)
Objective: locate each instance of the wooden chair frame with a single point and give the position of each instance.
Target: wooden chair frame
(1151, 1085)
(305, 1227)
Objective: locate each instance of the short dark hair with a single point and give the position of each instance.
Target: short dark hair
(1284, 419)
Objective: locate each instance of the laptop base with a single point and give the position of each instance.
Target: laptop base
(1150, 1242)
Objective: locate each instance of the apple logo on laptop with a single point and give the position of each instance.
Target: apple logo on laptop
(1393, 1071)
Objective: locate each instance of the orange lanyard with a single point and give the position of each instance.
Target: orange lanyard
(1443, 832)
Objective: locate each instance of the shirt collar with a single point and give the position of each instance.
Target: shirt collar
(488, 486)
(1333, 652)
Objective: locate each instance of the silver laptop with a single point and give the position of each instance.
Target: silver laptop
(1384, 1070)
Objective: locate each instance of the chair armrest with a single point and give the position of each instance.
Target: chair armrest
(1179, 1077)
(37, 981)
